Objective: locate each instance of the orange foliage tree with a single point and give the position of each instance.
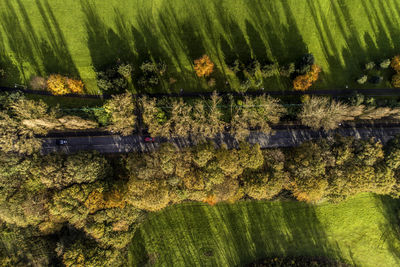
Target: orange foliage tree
(203, 66)
(61, 85)
(303, 82)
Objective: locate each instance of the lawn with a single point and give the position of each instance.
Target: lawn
(38, 37)
(360, 231)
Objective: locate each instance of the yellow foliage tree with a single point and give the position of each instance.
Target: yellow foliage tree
(75, 86)
(57, 84)
(395, 64)
(203, 66)
(61, 85)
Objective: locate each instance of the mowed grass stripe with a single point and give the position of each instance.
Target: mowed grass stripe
(39, 37)
(358, 230)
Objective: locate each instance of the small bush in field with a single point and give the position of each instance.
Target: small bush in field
(203, 66)
(38, 83)
(370, 65)
(385, 64)
(362, 79)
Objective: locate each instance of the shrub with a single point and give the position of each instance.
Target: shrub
(38, 83)
(363, 79)
(376, 79)
(396, 80)
(305, 63)
(385, 64)
(370, 65)
(395, 64)
(270, 70)
(75, 86)
(57, 84)
(203, 66)
(287, 71)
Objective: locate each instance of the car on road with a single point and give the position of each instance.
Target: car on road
(61, 142)
(149, 139)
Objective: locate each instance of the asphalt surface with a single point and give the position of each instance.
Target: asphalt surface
(282, 137)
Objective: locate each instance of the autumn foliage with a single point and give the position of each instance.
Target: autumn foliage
(303, 82)
(61, 85)
(203, 66)
(395, 64)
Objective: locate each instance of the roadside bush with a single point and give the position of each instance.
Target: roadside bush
(370, 65)
(306, 63)
(363, 79)
(151, 73)
(38, 83)
(288, 70)
(396, 80)
(385, 64)
(111, 81)
(203, 66)
(125, 70)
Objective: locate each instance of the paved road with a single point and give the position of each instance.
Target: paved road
(282, 137)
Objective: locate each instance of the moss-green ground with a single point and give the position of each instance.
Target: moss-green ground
(73, 37)
(361, 231)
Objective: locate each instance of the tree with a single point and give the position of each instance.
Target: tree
(154, 117)
(203, 66)
(57, 84)
(255, 113)
(395, 64)
(121, 110)
(307, 165)
(59, 171)
(181, 121)
(303, 82)
(75, 86)
(207, 117)
(320, 112)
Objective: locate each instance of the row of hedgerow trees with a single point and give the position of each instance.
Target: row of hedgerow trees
(104, 199)
(205, 118)
(23, 119)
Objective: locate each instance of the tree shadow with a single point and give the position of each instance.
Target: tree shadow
(34, 53)
(390, 208)
(277, 230)
(104, 44)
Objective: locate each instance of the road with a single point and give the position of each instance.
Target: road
(282, 137)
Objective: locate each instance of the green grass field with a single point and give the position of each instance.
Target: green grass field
(73, 37)
(360, 231)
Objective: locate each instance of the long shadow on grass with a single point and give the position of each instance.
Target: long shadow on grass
(44, 55)
(391, 230)
(232, 234)
(105, 46)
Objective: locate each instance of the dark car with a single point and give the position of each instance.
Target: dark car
(61, 142)
(149, 139)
